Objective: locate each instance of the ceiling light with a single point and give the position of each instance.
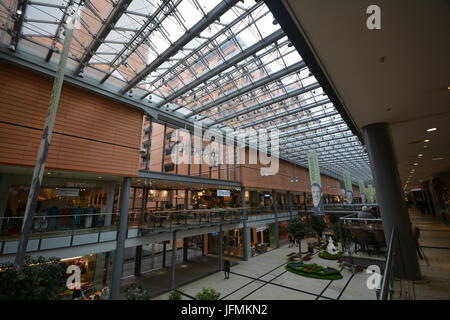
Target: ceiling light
(431, 129)
(438, 158)
(426, 140)
(416, 164)
(420, 155)
(19, 12)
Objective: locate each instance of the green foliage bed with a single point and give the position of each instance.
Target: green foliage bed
(314, 271)
(326, 255)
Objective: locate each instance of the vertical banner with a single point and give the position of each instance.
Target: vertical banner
(316, 185)
(370, 193)
(362, 191)
(348, 187)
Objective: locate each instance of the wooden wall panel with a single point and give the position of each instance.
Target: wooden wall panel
(250, 177)
(91, 134)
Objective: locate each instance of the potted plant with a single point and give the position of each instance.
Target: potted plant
(136, 292)
(207, 294)
(175, 295)
(318, 224)
(299, 230)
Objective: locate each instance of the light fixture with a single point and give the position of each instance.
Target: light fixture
(431, 129)
(99, 177)
(416, 164)
(438, 158)
(19, 12)
(420, 155)
(426, 140)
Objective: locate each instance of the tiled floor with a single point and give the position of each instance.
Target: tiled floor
(435, 242)
(265, 278)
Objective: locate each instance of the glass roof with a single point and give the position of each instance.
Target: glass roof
(225, 63)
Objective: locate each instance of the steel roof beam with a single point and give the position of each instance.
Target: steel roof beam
(206, 21)
(142, 34)
(287, 113)
(277, 35)
(18, 23)
(205, 44)
(268, 103)
(289, 134)
(311, 136)
(295, 142)
(106, 28)
(318, 142)
(259, 83)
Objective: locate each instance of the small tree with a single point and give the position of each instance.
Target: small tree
(39, 279)
(207, 294)
(299, 230)
(175, 295)
(318, 225)
(135, 292)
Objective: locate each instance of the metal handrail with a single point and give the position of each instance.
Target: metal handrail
(389, 265)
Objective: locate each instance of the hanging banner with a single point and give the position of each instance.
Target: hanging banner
(370, 192)
(362, 191)
(348, 187)
(316, 185)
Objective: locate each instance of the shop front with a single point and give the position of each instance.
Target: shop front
(65, 204)
(232, 243)
(93, 274)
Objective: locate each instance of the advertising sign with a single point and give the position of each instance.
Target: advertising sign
(348, 187)
(223, 193)
(316, 185)
(362, 191)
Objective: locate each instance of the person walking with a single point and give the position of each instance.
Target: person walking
(226, 269)
(290, 241)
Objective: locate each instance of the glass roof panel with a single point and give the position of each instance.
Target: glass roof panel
(238, 70)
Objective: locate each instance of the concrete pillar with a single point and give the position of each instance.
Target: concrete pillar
(153, 254)
(185, 249)
(186, 199)
(164, 254)
(390, 198)
(138, 261)
(275, 212)
(121, 236)
(220, 248)
(245, 229)
(290, 205)
(246, 241)
(174, 261)
(5, 184)
(100, 269)
(110, 190)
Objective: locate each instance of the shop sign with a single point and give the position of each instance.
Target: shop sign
(68, 192)
(223, 193)
(81, 185)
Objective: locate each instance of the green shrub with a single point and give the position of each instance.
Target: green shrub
(39, 279)
(314, 271)
(175, 295)
(207, 294)
(135, 292)
(326, 255)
